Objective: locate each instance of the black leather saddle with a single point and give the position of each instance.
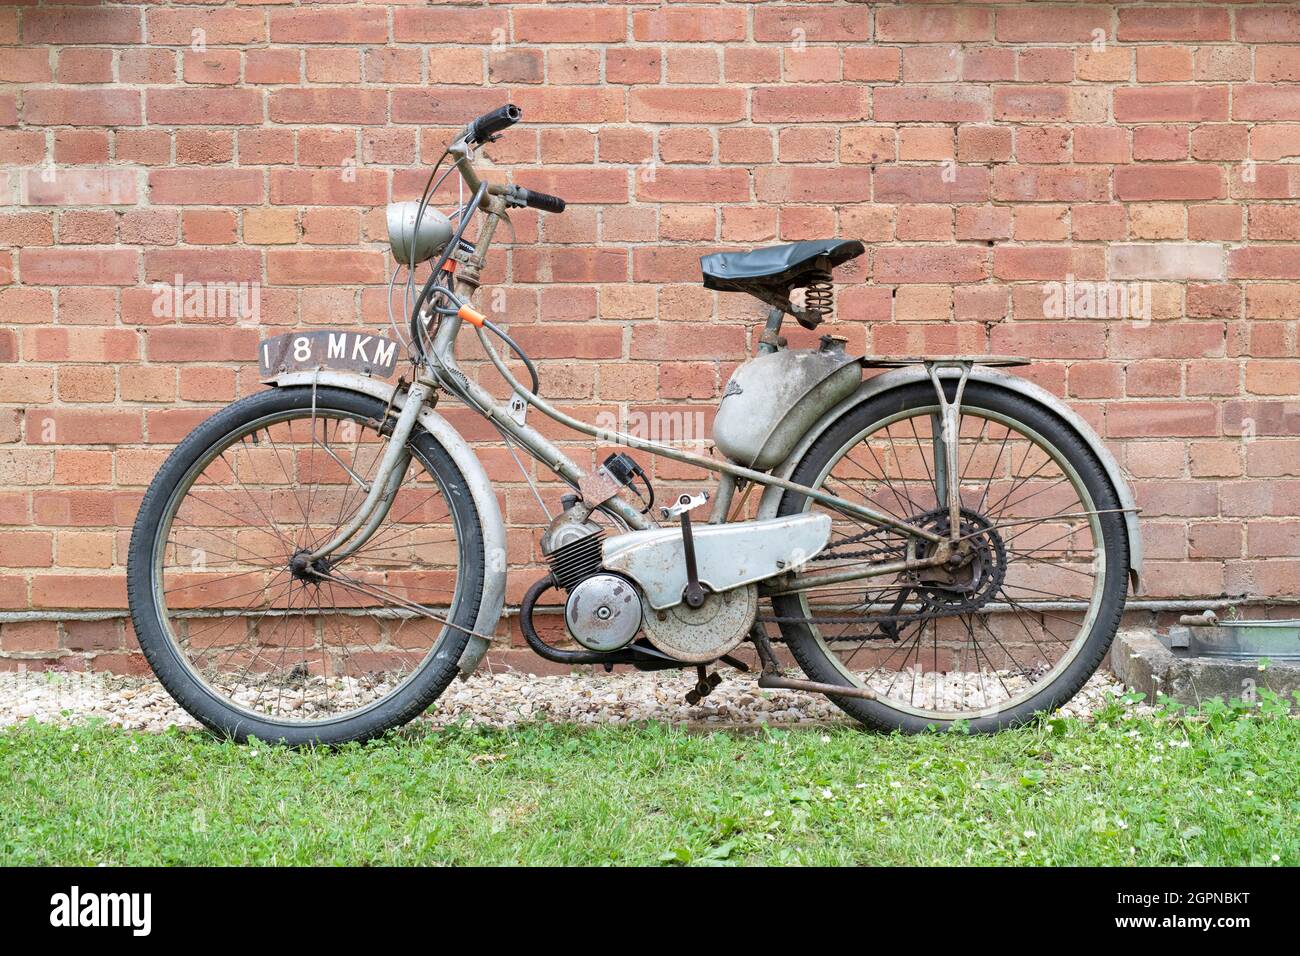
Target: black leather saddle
(771, 274)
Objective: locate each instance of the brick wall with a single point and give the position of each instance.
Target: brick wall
(979, 150)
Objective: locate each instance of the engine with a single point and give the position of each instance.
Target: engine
(603, 609)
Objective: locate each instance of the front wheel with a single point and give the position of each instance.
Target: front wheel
(1018, 622)
(256, 641)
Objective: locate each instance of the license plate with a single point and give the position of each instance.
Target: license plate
(362, 352)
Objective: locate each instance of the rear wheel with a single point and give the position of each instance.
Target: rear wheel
(248, 635)
(1019, 622)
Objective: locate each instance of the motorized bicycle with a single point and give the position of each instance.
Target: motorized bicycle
(939, 541)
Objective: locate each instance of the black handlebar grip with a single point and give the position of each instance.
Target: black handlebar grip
(489, 124)
(543, 201)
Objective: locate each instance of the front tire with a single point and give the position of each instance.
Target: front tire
(1060, 602)
(252, 647)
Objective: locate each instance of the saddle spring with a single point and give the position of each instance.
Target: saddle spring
(819, 295)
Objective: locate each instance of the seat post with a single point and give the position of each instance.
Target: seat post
(770, 340)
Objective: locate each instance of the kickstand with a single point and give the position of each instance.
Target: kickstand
(704, 685)
(773, 679)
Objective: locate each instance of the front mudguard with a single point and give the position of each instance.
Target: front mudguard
(480, 489)
(900, 377)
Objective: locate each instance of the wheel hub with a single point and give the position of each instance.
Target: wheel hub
(973, 571)
(302, 567)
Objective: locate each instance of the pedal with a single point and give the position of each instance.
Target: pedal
(703, 687)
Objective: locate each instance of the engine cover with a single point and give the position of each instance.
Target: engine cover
(726, 555)
(603, 612)
(707, 632)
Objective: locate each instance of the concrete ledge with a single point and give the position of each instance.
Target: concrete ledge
(1144, 664)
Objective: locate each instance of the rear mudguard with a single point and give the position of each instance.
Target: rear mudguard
(480, 489)
(900, 377)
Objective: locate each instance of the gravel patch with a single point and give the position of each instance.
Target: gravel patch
(502, 699)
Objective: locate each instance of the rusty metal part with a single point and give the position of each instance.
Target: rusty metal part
(699, 635)
(598, 487)
(777, 681)
(703, 685)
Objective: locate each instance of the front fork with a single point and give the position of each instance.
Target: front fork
(383, 487)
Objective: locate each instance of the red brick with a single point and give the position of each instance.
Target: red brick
(926, 184)
(212, 66)
(1149, 419)
(1032, 103)
(1265, 103)
(201, 107)
(1279, 24)
(933, 24)
(694, 185)
(943, 104)
(1051, 183)
(808, 184)
(1164, 64)
(76, 187)
(802, 104)
(906, 264)
(1264, 262)
(206, 186)
(86, 65)
(170, 26)
(324, 267)
(100, 107)
(348, 106)
(343, 186)
(663, 104)
(1185, 181)
(1056, 24)
(695, 25)
(1171, 103)
(599, 25)
(1175, 23)
(81, 24)
(78, 266)
(358, 25)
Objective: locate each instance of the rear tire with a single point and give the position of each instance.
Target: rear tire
(822, 664)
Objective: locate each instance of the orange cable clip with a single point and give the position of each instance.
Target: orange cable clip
(471, 315)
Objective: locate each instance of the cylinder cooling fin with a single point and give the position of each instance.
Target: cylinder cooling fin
(578, 559)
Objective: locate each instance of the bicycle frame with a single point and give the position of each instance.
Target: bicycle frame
(443, 368)
(440, 371)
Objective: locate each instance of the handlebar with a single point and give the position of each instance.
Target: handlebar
(480, 131)
(488, 125)
(543, 201)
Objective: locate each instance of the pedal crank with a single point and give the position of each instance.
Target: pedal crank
(694, 594)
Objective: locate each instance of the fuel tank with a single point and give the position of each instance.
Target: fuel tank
(771, 400)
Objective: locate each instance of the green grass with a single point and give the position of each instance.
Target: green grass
(1124, 790)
